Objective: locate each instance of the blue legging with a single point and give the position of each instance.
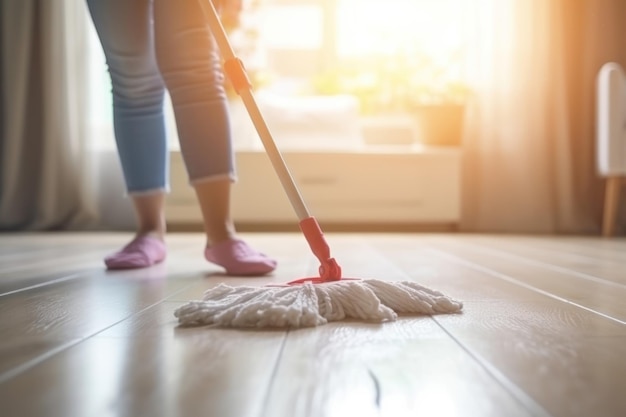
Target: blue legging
(151, 45)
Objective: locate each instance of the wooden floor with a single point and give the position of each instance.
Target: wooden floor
(543, 332)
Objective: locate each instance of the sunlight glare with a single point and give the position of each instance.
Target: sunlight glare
(371, 27)
(293, 27)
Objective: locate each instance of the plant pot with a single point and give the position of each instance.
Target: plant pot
(440, 124)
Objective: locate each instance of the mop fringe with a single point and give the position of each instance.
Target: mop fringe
(309, 305)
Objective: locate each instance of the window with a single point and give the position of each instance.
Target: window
(383, 52)
(335, 32)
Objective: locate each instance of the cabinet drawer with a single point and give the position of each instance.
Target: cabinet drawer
(352, 187)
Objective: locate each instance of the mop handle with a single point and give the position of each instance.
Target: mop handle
(236, 73)
(329, 269)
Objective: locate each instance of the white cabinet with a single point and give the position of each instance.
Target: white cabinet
(373, 185)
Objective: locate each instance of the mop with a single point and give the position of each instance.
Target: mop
(304, 302)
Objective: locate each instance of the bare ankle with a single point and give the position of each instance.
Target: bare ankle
(214, 239)
(158, 233)
(215, 235)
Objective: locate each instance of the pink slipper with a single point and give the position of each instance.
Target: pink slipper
(141, 252)
(239, 259)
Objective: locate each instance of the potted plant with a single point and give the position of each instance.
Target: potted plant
(437, 98)
(439, 113)
(414, 84)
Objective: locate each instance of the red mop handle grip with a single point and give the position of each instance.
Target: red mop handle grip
(329, 269)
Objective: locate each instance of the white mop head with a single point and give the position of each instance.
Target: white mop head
(310, 305)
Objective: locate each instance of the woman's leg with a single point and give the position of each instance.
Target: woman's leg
(191, 67)
(126, 33)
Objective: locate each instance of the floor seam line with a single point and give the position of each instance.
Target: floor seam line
(270, 385)
(65, 278)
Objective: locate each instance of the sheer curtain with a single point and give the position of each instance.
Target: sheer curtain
(58, 165)
(529, 142)
(43, 181)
